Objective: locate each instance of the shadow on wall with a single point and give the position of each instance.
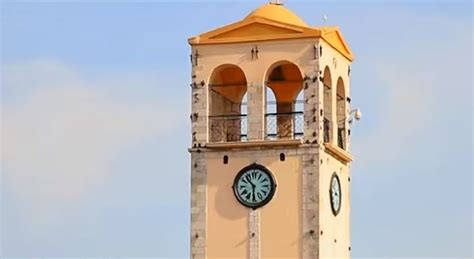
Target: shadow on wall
(225, 202)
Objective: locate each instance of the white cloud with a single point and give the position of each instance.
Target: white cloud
(61, 131)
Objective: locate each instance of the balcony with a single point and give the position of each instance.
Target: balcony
(228, 128)
(284, 125)
(233, 128)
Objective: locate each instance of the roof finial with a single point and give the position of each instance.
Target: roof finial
(276, 2)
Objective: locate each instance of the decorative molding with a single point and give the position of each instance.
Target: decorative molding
(338, 152)
(257, 143)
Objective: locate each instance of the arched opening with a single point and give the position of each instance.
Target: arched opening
(299, 115)
(283, 83)
(227, 104)
(341, 113)
(327, 105)
(243, 121)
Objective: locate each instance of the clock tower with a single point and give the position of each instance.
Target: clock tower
(270, 139)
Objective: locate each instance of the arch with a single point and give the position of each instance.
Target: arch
(299, 115)
(284, 81)
(299, 102)
(229, 83)
(327, 104)
(327, 79)
(243, 115)
(341, 113)
(227, 88)
(270, 101)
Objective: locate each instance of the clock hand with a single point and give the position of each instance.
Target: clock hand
(253, 192)
(253, 185)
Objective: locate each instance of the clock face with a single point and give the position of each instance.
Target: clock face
(335, 194)
(254, 186)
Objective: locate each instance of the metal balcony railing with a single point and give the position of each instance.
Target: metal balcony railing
(284, 125)
(228, 128)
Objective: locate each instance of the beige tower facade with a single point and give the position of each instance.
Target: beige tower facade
(270, 95)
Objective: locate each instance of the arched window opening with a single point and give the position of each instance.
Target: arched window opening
(271, 108)
(341, 114)
(228, 105)
(283, 121)
(299, 111)
(243, 121)
(327, 105)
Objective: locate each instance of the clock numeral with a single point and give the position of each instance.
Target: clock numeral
(248, 196)
(249, 179)
(259, 195)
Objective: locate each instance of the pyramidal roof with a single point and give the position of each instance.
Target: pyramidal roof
(272, 22)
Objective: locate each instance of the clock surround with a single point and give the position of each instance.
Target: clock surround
(254, 186)
(335, 194)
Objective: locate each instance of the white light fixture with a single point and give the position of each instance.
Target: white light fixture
(355, 114)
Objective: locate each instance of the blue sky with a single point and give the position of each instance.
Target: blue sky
(95, 108)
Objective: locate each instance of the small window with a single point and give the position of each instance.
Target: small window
(226, 160)
(282, 156)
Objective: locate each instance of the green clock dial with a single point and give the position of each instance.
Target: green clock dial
(254, 186)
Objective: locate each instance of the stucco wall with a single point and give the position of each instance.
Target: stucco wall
(227, 227)
(334, 241)
(228, 232)
(301, 204)
(281, 218)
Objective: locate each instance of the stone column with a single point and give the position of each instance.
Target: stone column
(310, 204)
(313, 132)
(199, 107)
(254, 234)
(312, 135)
(198, 205)
(255, 110)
